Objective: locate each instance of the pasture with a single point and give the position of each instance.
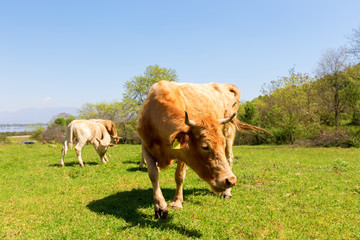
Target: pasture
(282, 193)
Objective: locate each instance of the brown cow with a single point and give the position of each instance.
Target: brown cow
(83, 131)
(110, 127)
(194, 124)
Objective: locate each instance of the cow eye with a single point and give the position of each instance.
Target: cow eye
(205, 146)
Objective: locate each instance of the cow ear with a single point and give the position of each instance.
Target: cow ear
(179, 140)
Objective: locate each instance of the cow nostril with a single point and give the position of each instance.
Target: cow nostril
(230, 181)
(227, 182)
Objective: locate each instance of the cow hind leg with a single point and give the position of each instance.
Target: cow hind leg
(78, 148)
(142, 162)
(160, 206)
(63, 152)
(180, 174)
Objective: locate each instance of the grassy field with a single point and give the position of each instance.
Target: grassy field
(282, 193)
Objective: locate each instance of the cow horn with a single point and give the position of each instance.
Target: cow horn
(226, 120)
(189, 122)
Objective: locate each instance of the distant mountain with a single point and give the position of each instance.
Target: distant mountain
(34, 115)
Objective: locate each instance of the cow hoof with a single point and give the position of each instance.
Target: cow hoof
(225, 196)
(161, 213)
(176, 205)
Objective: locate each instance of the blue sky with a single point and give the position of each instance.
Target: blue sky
(67, 53)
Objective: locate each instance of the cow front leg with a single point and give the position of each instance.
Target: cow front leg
(160, 206)
(105, 158)
(230, 158)
(180, 174)
(226, 194)
(78, 148)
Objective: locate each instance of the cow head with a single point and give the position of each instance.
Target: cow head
(202, 147)
(116, 139)
(103, 144)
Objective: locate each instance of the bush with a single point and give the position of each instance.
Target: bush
(54, 133)
(342, 137)
(253, 138)
(38, 133)
(60, 121)
(4, 140)
(69, 120)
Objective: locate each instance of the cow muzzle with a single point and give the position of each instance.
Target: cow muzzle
(221, 185)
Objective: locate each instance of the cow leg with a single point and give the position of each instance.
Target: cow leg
(105, 158)
(142, 162)
(160, 206)
(99, 151)
(78, 148)
(63, 152)
(179, 178)
(229, 156)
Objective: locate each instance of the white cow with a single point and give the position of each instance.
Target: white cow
(80, 132)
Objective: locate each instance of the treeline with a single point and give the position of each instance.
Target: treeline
(298, 109)
(124, 113)
(323, 110)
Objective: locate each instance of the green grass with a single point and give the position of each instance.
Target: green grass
(19, 139)
(282, 193)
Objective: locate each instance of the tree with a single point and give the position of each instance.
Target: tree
(249, 113)
(354, 40)
(102, 110)
(286, 106)
(138, 88)
(60, 121)
(125, 113)
(135, 94)
(333, 81)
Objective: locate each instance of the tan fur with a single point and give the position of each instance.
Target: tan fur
(110, 127)
(162, 119)
(83, 131)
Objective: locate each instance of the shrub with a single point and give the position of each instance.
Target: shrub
(4, 140)
(341, 137)
(55, 133)
(69, 120)
(60, 121)
(38, 133)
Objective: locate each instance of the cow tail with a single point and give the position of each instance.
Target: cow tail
(70, 134)
(232, 106)
(244, 127)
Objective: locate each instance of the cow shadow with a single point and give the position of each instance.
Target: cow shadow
(136, 169)
(126, 205)
(74, 163)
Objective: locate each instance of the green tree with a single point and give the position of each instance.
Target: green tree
(285, 106)
(335, 86)
(102, 110)
(354, 40)
(69, 120)
(138, 87)
(125, 114)
(60, 121)
(249, 113)
(136, 91)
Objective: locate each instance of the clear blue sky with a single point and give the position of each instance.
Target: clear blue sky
(67, 53)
